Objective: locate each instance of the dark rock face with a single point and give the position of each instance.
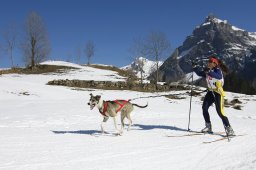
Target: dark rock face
(171, 67)
(234, 46)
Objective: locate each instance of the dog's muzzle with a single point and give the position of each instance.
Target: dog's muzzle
(91, 105)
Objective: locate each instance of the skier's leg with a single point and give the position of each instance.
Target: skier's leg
(219, 103)
(220, 110)
(208, 100)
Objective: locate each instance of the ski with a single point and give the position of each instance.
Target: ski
(197, 133)
(204, 133)
(106, 134)
(223, 138)
(190, 134)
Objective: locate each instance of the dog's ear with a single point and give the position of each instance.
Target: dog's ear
(91, 94)
(98, 97)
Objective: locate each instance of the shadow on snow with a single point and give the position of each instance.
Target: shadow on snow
(81, 132)
(151, 127)
(134, 126)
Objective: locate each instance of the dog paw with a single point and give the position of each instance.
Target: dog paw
(103, 132)
(119, 133)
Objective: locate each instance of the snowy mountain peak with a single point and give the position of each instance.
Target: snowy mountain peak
(213, 19)
(216, 23)
(147, 66)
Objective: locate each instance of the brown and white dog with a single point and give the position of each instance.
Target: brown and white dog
(111, 108)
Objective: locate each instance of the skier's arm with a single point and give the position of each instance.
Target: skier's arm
(216, 73)
(199, 71)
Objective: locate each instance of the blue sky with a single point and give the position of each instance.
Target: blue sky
(113, 24)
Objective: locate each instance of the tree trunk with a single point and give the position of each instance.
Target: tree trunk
(141, 79)
(33, 45)
(12, 57)
(157, 75)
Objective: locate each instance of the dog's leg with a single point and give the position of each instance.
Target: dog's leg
(105, 119)
(119, 132)
(130, 120)
(122, 120)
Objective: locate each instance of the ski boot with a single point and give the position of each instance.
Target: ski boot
(229, 131)
(207, 129)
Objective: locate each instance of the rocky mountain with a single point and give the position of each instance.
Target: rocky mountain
(236, 47)
(146, 65)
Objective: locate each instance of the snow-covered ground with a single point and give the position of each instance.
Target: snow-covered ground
(51, 127)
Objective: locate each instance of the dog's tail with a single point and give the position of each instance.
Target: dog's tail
(139, 105)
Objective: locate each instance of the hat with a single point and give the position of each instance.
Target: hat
(214, 60)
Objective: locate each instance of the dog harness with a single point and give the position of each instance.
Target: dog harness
(121, 104)
(116, 101)
(104, 109)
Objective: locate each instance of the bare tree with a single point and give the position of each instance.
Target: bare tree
(89, 50)
(141, 64)
(137, 50)
(254, 83)
(155, 45)
(36, 46)
(78, 54)
(137, 47)
(10, 39)
(1, 49)
(70, 57)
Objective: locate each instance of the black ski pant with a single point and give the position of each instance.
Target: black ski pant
(210, 98)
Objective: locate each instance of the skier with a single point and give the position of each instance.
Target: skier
(215, 93)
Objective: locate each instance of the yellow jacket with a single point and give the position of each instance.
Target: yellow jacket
(219, 88)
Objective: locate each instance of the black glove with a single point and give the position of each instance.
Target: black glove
(193, 64)
(206, 70)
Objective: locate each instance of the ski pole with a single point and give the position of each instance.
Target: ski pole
(190, 101)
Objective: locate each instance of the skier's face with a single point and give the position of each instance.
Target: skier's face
(211, 64)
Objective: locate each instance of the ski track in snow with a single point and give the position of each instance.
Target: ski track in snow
(52, 127)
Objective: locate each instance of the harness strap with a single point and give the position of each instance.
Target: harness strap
(104, 109)
(121, 104)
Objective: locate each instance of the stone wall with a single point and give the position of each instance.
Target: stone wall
(119, 85)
